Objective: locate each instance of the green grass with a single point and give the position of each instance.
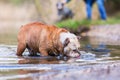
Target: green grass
(16, 2)
(73, 24)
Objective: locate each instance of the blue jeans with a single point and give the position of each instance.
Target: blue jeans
(101, 8)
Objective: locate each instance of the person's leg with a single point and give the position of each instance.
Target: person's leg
(89, 4)
(102, 10)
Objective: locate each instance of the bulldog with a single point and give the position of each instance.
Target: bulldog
(47, 40)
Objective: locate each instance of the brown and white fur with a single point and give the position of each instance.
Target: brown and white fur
(47, 40)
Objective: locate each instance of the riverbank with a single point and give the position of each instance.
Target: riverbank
(109, 34)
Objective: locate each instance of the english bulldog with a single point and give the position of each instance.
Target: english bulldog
(47, 40)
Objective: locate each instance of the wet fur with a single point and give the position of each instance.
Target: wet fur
(38, 37)
(46, 40)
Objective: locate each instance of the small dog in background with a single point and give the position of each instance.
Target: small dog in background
(63, 12)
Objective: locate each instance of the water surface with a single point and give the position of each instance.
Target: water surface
(13, 67)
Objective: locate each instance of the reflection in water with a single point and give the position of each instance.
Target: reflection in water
(38, 60)
(36, 68)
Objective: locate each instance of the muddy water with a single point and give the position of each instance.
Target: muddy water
(90, 66)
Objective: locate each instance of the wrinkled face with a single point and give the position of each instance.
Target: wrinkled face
(71, 45)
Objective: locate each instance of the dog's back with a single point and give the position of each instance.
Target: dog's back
(38, 37)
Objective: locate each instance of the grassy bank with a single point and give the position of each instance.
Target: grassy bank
(72, 24)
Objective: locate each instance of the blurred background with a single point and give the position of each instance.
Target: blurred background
(100, 40)
(15, 13)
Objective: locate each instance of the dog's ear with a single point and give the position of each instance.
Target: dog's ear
(78, 37)
(67, 41)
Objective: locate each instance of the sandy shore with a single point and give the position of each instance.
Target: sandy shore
(109, 34)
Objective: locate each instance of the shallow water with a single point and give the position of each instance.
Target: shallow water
(13, 67)
(36, 68)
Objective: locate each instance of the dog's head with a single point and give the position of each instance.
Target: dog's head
(71, 44)
(60, 6)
